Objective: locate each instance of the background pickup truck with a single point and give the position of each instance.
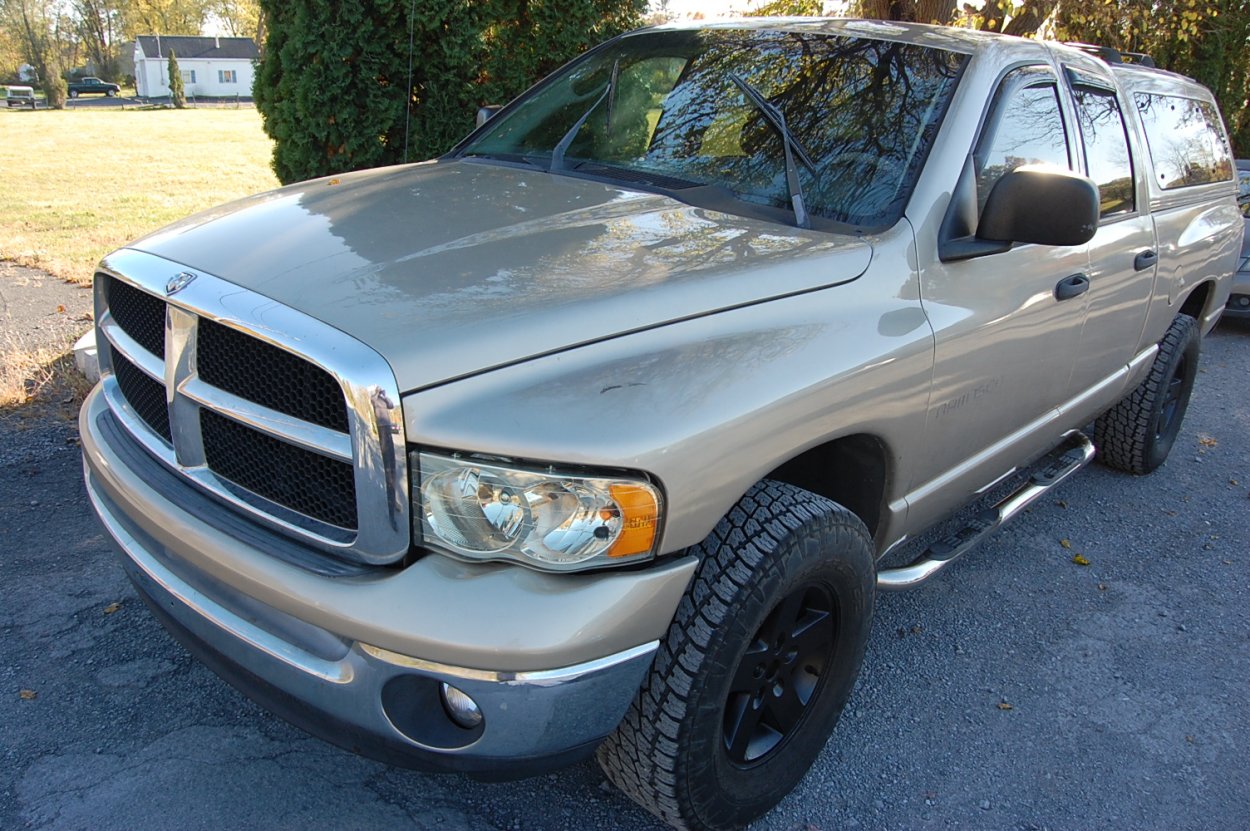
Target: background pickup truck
(600, 434)
(91, 85)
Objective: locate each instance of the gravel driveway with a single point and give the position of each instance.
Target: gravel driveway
(1021, 690)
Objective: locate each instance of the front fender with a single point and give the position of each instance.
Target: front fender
(709, 406)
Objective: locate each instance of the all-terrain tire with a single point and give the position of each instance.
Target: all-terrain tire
(784, 565)
(1137, 434)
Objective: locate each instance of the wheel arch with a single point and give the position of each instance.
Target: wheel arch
(851, 470)
(1195, 303)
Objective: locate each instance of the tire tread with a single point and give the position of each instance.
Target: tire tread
(641, 757)
(1124, 434)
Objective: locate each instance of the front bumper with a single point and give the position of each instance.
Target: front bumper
(369, 686)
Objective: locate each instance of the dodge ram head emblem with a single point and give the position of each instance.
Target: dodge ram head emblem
(179, 282)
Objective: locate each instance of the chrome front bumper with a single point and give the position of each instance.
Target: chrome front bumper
(370, 697)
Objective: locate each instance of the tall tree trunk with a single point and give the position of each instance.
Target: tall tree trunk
(1031, 17)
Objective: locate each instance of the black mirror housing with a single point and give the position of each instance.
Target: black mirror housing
(1042, 205)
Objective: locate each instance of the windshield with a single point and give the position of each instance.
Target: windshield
(663, 108)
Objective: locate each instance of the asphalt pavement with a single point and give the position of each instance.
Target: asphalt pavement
(1020, 690)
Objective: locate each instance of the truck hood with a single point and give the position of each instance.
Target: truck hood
(452, 268)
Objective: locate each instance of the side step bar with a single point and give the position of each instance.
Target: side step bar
(1074, 453)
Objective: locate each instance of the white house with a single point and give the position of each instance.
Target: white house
(210, 65)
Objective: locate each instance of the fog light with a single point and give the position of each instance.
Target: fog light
(462, 709)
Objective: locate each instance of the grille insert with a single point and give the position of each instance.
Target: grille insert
(145, 394)
(299, 479)
(264, 374)
(139, 314)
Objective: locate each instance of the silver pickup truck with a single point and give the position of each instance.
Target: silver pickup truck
(602, 431)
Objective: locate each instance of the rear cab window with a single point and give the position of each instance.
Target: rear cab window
(1186, 140)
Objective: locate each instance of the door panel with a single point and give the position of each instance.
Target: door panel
(1005, 343)
(1121, 279)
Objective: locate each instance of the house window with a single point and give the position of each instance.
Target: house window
(188, 76)
(227, 76)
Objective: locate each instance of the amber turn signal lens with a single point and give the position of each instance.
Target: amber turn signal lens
(639, 516)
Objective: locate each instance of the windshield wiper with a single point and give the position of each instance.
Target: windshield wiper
(774, 116)
(609, 91)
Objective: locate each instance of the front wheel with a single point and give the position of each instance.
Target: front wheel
(1137, 434)
(112, 93)
(73, 93)
(756, 667)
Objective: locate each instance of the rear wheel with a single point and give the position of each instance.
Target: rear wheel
(757, 664)
(1137, 434)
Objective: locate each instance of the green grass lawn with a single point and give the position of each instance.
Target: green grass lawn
(79, 183)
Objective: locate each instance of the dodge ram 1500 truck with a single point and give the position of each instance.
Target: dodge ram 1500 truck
(601, 432)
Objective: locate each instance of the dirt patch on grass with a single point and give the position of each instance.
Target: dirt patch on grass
(38, 385)
(41, 317)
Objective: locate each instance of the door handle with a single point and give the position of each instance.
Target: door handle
(1145, 259)
(1072, 286)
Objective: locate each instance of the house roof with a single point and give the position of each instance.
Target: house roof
(198, 47)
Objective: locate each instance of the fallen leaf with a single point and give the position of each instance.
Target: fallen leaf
(1079, 559)
(1066, 543)
(1003, 705)
(1189, 739)
(1062, 503)
(1102, 587)
(1207, 441)
(28, 695)
(60, 308)
(1233, 482)
(112, 607)
(333, 182)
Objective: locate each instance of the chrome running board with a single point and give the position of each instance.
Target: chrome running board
(1074, 453)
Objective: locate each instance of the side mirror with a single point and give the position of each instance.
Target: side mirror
(484, 114)
(1043, 205)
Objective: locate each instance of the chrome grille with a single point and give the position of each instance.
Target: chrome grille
(310, 442)
(143, 392)
(269, 376)
(138, 313)
(304, 481)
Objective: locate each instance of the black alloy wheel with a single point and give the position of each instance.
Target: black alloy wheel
(779, 674)
(1173, 394)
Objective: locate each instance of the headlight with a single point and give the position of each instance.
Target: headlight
(552, 521)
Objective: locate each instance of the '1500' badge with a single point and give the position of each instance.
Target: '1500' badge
(179, 282)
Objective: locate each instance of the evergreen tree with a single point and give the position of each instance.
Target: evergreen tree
(55, 90)
(333, 83)
(177, 93)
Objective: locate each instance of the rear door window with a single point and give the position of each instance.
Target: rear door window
(1108, 160)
